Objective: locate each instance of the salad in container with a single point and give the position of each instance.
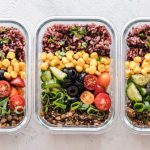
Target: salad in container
(14, 47)
(136, 86)
(74, 78)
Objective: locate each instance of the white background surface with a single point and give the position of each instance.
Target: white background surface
(31, 12)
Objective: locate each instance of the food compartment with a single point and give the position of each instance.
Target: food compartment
(75, 77)
(13, 62)
(136, 44)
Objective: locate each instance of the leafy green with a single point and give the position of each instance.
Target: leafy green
(4, 40)
(51, 39)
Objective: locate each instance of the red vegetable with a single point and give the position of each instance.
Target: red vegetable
(13, 92)
(4, 88)
(99, 89)
(90, 82)
(18, 82)
(87, 97)
(102, 101)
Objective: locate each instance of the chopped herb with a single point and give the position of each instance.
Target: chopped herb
(2, 55)
(61, 53)
(4, 41)
(99, 59)
(51, 39)
(84, 45)
(61, 43)
(148, 44)
(142, 35)
(3, 30)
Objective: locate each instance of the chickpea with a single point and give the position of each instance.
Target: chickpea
(94, 55)
(92, 69)
(65, 60)
(22, 75)
(50, 56)
(137, 70)
(69, 65)
(7, 75)
(43, 56)
(86, 66)
(80, 62)
(127, 64)
(76, 56)
(145, 64)
(128, 72)
(93, 62)
(13, 61)
(104, 61)
(69, 53)
(6, 63)
(85, 56)
(70, 58)
(79, 68)
(13, 74)
(44, 66)
(88, 60)
(107, 67)
(137, 59)
(74, 62)
(1, 64)
(79, 53)
(132, 65)
(54, 62)
(144, 71)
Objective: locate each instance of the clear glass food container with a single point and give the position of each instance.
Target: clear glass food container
(41, 28)
(11, 22)
(123, 82)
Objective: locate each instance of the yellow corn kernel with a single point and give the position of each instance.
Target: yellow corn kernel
(13, 74)
(147, 69)
(50, 56)
(107, 67)
(61, 64)
(79, 53)
(97, 73)
(79, 68)
(65, 60)
(11, 55)
(22, 66)
(74, 62)
(104, 61)
(137, 70)
(144, 71)
(54, 62)
(108, 61)
(137, 59)
(43, 56)
(94, 55)
(3, 68)
(85, 56)
(69, 65)
(88, 60)
(76, 56)
(80, 62)
(6, 63)
(93, 62)
(87, 70)
(23, 75)
(69, 53)
(127, 64)
(70, 58)
(13, 61)
(10, 68)
(16, 67)
(44, 66)
(86, 66)
(7, 75)
(92, 69)
(128, 73)
(132, 65)
(1, 64)
(147, 56)
(145, 64)
(101, 68)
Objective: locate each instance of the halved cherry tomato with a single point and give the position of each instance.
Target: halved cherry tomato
(16, 100)
(104, 79)
(18, 82)
(4, 88)
(102, 101)
(20, 91)
(87, 97)
(13, 92)
(90, 82)
(99, 89)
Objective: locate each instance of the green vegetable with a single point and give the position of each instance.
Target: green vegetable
(84, 45)
(139, 107)
(46, 76)
(58, 73)
(142, 91)
(133, 93)
(4, 107)
(147, 98)
(140, 80)
(2, 55)
(4, 40)
(142, 35)
(51, 39)
(75, 105)
(84, 107)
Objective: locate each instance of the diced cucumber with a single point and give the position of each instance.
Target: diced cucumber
(46, 76)
(58, 73)
(133, 93)
(142, 91)
(50, 84)
(141, 80)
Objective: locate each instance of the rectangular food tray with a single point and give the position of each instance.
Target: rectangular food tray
(10, 22)
(123, 54)
(112, 89)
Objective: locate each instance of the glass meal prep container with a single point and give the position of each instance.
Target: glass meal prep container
(65, 91)
(135, 75)
(14, 80)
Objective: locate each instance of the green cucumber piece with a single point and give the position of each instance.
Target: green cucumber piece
(46, 76)
(140, 79)
(142, 91)
(133, 93)
(58, 73)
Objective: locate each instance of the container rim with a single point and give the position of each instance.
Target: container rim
(109, 25)
(126, 123)
(24, 123)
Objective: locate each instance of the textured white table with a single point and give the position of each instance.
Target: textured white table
(31, 12)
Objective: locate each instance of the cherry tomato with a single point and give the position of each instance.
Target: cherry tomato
(102, 101)
(87, 97)
(20, 91)
(104, 79)
(4, 88)
(90, 82)
(18, 82)
(16, 100)
(13, 92)
(99, 89)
